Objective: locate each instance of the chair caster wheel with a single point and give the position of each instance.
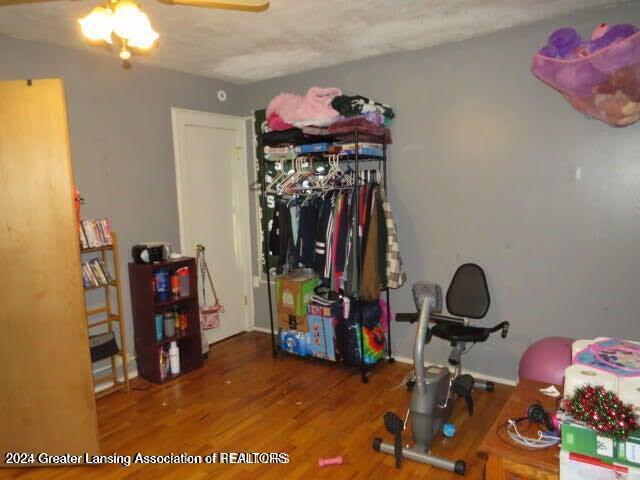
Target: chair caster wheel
(410, 384)
(491, 386)
(392, 360)
(460, 467)
(365, 379)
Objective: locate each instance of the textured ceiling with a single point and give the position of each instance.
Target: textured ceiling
(293, 35)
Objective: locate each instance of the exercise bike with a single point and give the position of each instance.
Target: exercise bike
(433, 387)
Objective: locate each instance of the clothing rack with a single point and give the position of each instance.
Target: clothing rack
(356, 159)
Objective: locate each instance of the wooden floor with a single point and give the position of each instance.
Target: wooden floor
(243, 400)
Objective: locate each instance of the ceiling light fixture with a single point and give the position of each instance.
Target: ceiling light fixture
(121, 23)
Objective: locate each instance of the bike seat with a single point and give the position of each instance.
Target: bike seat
(460, 333)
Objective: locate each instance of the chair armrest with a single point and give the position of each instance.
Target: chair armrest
(504, 326)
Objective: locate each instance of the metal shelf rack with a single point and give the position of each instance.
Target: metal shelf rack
(356, 159)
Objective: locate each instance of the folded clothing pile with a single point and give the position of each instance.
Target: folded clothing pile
(290, 136)
(325, 114)
(359, 106)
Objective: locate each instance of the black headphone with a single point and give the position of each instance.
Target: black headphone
(537, 414)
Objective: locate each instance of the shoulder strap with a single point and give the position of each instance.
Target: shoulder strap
(204, 268)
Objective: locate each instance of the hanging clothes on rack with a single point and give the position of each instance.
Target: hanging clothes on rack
(325, 272)
(370, 278)
(352, 269)
(324, 221)
(374, 272)
(340, 241)
(383, 238)
(281, 237)
(395, 274)
(316, 225)
(294, 214)
(306, 244)
(274, 233)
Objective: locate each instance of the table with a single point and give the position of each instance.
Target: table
(506, 460)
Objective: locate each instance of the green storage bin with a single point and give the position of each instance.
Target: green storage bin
(580, 439)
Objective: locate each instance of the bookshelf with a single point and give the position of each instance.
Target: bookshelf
(146, 306)
(105, 315)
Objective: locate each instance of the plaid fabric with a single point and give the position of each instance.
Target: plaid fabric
(396, 275)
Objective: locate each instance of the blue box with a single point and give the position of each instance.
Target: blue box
(321, 337)
(313, 148)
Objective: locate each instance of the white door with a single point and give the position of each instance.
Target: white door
(211, 178)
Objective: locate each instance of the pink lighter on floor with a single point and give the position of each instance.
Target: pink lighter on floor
(323, 462)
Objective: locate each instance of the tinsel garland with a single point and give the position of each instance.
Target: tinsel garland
(603, 411)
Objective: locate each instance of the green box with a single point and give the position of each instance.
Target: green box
(293, 292)
(580, 439)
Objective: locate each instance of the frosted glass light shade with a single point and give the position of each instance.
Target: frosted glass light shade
(98, 25)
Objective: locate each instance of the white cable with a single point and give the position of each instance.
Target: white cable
(544, 440)
(404, 381)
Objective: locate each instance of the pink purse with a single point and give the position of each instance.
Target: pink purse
(209, 314)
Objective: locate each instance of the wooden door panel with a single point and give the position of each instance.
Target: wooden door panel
(46, 389)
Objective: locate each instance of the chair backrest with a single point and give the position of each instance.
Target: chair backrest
(468, 294)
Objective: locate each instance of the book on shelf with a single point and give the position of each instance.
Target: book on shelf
(105, 270)
(95, 232)
(95, 274)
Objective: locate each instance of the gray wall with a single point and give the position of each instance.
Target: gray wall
(121, 137)
(483, 170)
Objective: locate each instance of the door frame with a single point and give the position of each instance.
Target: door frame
(242, 229)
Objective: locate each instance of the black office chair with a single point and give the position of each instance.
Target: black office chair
(467, 298)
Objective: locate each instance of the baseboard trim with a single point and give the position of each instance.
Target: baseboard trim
(261, 329)
(409, 361)
(133, 373)
(474, 374)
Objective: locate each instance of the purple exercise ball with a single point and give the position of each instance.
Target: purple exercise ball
(545, 360)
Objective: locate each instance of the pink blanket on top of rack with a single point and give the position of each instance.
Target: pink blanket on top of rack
(312, 109)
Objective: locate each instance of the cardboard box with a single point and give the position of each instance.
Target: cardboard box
(293, 292)
(322, 337)
(577, 438)
(288, 321)
(574, 466)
